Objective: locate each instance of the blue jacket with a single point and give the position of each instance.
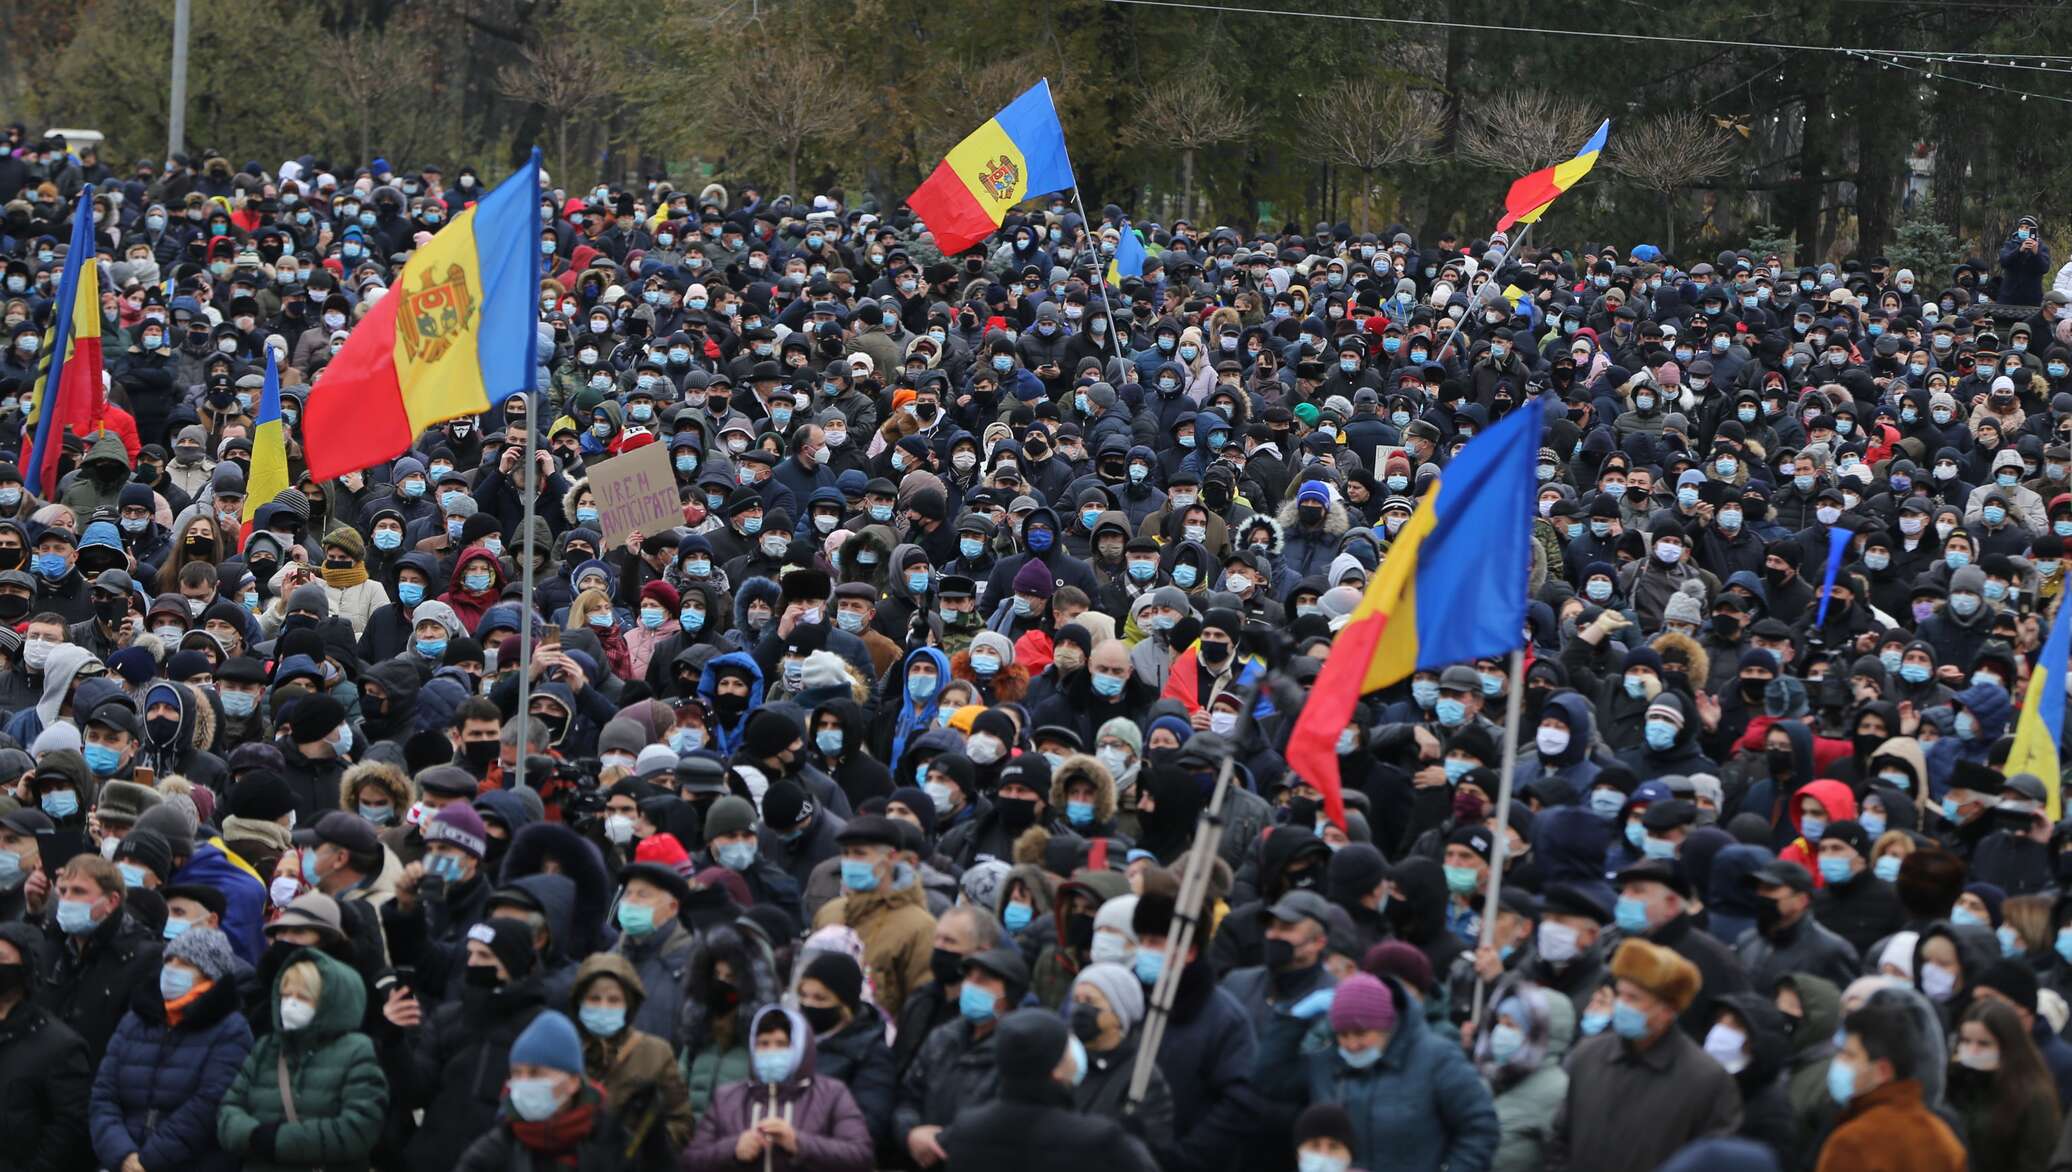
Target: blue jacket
(726, 739)
(1207, 1057)
(157, 1090)
(1990, 707)
(1421, 1108)
(244, 900)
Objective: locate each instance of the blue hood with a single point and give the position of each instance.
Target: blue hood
(1574, 710)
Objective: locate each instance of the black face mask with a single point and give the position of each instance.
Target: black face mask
(1768, 916)
(111, 610)
(1866, 744)
(1279, 954)
(1779, 761)
(1752, 690)
(1016, 814)
(1725, 628)
(161, 729)
(821, 1017)
(14, 978)
(1310, 514)
(1310, 879)
(1079, 933)
(482, 976)
(12, 608)
(11, 558)
(1212, 654)
(948, 967)
(262, 568)
(1086, 1021)
(480, 755)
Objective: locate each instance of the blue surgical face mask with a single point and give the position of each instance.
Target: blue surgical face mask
(102, 759)
(1450, 712)
(1887, 868)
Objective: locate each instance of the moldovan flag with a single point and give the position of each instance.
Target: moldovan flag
(269, 445)
(1018, 154)
(1531, 195)
(454, 336)
(1453, 587)
(2037, 731)
(70, 392)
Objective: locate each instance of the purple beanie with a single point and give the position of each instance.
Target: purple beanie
(1362, 1002)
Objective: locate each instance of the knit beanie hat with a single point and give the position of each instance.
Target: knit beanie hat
(511, 941)
(729, 815)
(1118, 986)
(550, 1041)
(1035, 578)
(459, 825)
(1362, 1002)
(206, 949)
(1324, 1121)
(769, 733)
(837, 971)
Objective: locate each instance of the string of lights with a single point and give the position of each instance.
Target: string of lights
(1892, 58)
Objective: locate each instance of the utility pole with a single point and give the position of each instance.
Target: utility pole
(176, 119)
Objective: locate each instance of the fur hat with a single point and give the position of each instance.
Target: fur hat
(1670, 978)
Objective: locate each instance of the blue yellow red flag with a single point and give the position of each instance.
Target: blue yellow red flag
(269, 473)
(1129, 256)
(1018, 153)
(70, 393)
(455, 335)
(1453, 587)
(2040, 728)
(1531, 194)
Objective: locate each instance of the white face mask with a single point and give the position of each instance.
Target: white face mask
(1551, 742)
(296, 1013)
(984, 749)
(1558, 942)
(619, 829)
(1728, 1047)
(1223, 723)
(1938, 982)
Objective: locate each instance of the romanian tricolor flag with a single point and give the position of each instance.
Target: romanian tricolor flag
(454, 336)
(2040, 727)
(1532, 194)
(1453, 587)
(71, 387)
(1018, 154)
(269, 475)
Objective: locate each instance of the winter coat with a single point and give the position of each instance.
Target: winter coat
(832, 1135)
(601, 1149)
(339, 1092)
(1813, 1045)
(1422, 1106)
(1805, 947)
(1892, 1130)
(997, 1136)
(454, 1067)
(1105, 1092)
(45, 1076)
(858, 1057)
(1862, 910)
(637, 1070)
(898, 936)
(1527, 1100)
(661, 958)
(1628, 1110)
(953, 1073)
(90, 990)
(156, 1093)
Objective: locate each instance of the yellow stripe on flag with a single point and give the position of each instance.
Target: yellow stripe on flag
(1394, 593)
(987, 153)
(441, 312)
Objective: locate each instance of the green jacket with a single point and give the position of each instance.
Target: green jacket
(339, 1091)
(1525, 1108)
(1812, 1107)
(103, 472)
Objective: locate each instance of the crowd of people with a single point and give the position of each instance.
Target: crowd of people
(855, 806)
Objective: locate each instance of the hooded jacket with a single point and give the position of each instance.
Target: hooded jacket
(469, 605)
(156, 1093)
(341, 1095)
(832, 1135)
(637, 1070)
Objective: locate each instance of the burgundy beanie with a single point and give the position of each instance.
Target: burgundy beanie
(1362, 1002)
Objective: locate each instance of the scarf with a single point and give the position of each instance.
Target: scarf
(175, 1008)
(272, 834)
(346, 578)
(558, 1137)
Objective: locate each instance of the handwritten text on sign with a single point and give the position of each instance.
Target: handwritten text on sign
(636, 493)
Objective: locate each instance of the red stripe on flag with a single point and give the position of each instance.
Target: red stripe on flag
(78, 403)
(1527, 192)
(355, 417)
(951, 212)
(1313, 742)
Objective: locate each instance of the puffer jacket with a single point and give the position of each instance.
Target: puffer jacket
(1530, 1087)
(1421, 1108)
(156, 1093)
(455, 1069)
(898, 935)
(858, 1057)
(45, 1074)
(832, 1136)
(339, 1091)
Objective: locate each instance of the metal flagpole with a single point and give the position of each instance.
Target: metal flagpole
(1515, 247)
(532, 473)
(1188, 908)
(1100, 273)
(1500, 843)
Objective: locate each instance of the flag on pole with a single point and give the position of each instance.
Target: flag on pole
(70, 392)
(1129, 256)
(269, 475)
(456, 335)
(1452, 588)
(1018, 153)
(1530, 195)
(2041, 726)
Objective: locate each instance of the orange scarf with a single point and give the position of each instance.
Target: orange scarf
(175, 1008)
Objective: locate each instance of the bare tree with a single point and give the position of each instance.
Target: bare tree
(943, 112)
(368, 64)
(1668, 152)
(782, 101)
(1368, 125)
(1523, 130)
(1192, 111)
(563, 76)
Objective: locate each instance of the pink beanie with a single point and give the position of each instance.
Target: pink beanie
(1362, 1002)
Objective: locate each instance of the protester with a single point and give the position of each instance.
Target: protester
(860, 786)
